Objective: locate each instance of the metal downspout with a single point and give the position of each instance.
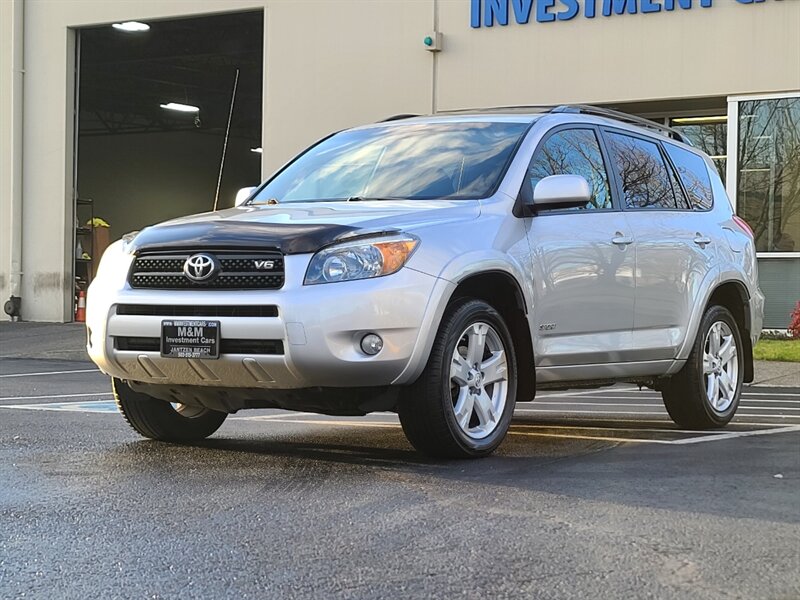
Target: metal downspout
(12, 307)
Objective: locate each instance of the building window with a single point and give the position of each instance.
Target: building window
(768, 174)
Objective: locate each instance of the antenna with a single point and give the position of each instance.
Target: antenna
(227, 134)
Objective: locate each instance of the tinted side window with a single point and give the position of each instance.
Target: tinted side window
(646, 181)
(573, 152)
(694, 175)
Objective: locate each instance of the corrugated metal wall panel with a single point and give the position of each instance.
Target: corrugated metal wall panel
(779, 279)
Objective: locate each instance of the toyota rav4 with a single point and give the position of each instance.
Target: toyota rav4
(444, 268)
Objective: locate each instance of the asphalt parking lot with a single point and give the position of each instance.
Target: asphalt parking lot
(593, 493)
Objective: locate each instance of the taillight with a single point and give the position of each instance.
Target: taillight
(744, 226)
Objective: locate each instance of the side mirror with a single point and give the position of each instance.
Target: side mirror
(561, 191)
(242, 195)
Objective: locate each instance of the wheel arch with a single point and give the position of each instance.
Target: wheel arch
(503, 291)
(733, 295)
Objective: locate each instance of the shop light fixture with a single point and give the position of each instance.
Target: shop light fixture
(131, 26)
(258, 150)
(187, 108)
(700, 120)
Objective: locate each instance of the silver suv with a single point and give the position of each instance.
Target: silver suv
(445, 268)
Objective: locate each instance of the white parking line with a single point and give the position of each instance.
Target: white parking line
(66, 406)
(639, 429)
(633, 412)
(55, 396)
(50, 373)
(512, 431)
(657, 398)
(271, 417)
(600, 418)
(737, 434)
(652, 405)
(657, 394)
(583, 393)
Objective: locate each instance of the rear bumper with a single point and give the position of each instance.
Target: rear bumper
(755, 311)
(319, 326)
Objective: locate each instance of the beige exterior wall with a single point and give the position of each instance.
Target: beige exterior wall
(728, 49)
(334, 63)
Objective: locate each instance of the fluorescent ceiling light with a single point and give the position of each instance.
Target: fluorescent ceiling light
(181, 107)
(257, 150)
(700, 120)
(131, 26)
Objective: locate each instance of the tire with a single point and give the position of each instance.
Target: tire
(692, 398)
(428, 407)
(159, 420)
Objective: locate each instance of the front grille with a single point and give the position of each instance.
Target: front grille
(160, 310)
(227, 346)
(237, 270)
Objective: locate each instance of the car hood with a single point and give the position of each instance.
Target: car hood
(300, 227)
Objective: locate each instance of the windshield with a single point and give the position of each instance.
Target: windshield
(419, 161)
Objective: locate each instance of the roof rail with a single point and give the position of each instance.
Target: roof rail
(532, 108)
(584, 109)
(624, 117)
(397, 118)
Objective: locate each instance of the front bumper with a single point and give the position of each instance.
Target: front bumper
(320, 326)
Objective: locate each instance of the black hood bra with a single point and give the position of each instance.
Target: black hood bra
(288, 238)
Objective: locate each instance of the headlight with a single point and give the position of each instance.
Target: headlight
(127, 240)
(114, 265)
(361, 259)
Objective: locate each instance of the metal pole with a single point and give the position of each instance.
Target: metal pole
(225, 144)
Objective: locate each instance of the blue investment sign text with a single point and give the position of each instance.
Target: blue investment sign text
(489, 12)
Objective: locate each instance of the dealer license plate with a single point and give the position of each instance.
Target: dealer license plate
(190, 339)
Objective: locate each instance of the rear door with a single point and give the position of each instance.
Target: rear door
(674, 250)
(583, 260)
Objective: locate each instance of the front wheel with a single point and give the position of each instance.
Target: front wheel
(705, 393)
(462, 404)
(159, 420)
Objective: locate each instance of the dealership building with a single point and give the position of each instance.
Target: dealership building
(116, 115)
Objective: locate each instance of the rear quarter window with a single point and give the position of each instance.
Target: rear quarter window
(693, 172)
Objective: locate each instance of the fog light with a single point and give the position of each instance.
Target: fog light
(371, 344)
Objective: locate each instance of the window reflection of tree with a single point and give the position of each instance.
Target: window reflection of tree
(574, 152)
(645, 179)
(711, 138)
(769, 171)
(694, 175)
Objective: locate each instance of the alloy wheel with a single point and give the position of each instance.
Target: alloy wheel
(720, 366)
(479, 380)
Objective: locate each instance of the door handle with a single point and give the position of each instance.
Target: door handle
(701, 240)
(621, 240)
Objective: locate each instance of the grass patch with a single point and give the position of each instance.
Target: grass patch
(782, 350)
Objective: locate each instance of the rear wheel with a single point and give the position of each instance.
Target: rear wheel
(159, 420)
(462, 404)
(705, 393)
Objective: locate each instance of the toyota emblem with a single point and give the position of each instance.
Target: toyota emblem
(200, 267)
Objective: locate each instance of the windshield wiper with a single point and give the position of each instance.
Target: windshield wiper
(371, 199)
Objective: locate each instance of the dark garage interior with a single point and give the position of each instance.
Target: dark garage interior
(140, 162)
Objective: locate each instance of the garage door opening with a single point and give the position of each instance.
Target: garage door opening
(155, 101)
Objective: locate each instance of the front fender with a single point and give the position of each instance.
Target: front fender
(460, 269)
